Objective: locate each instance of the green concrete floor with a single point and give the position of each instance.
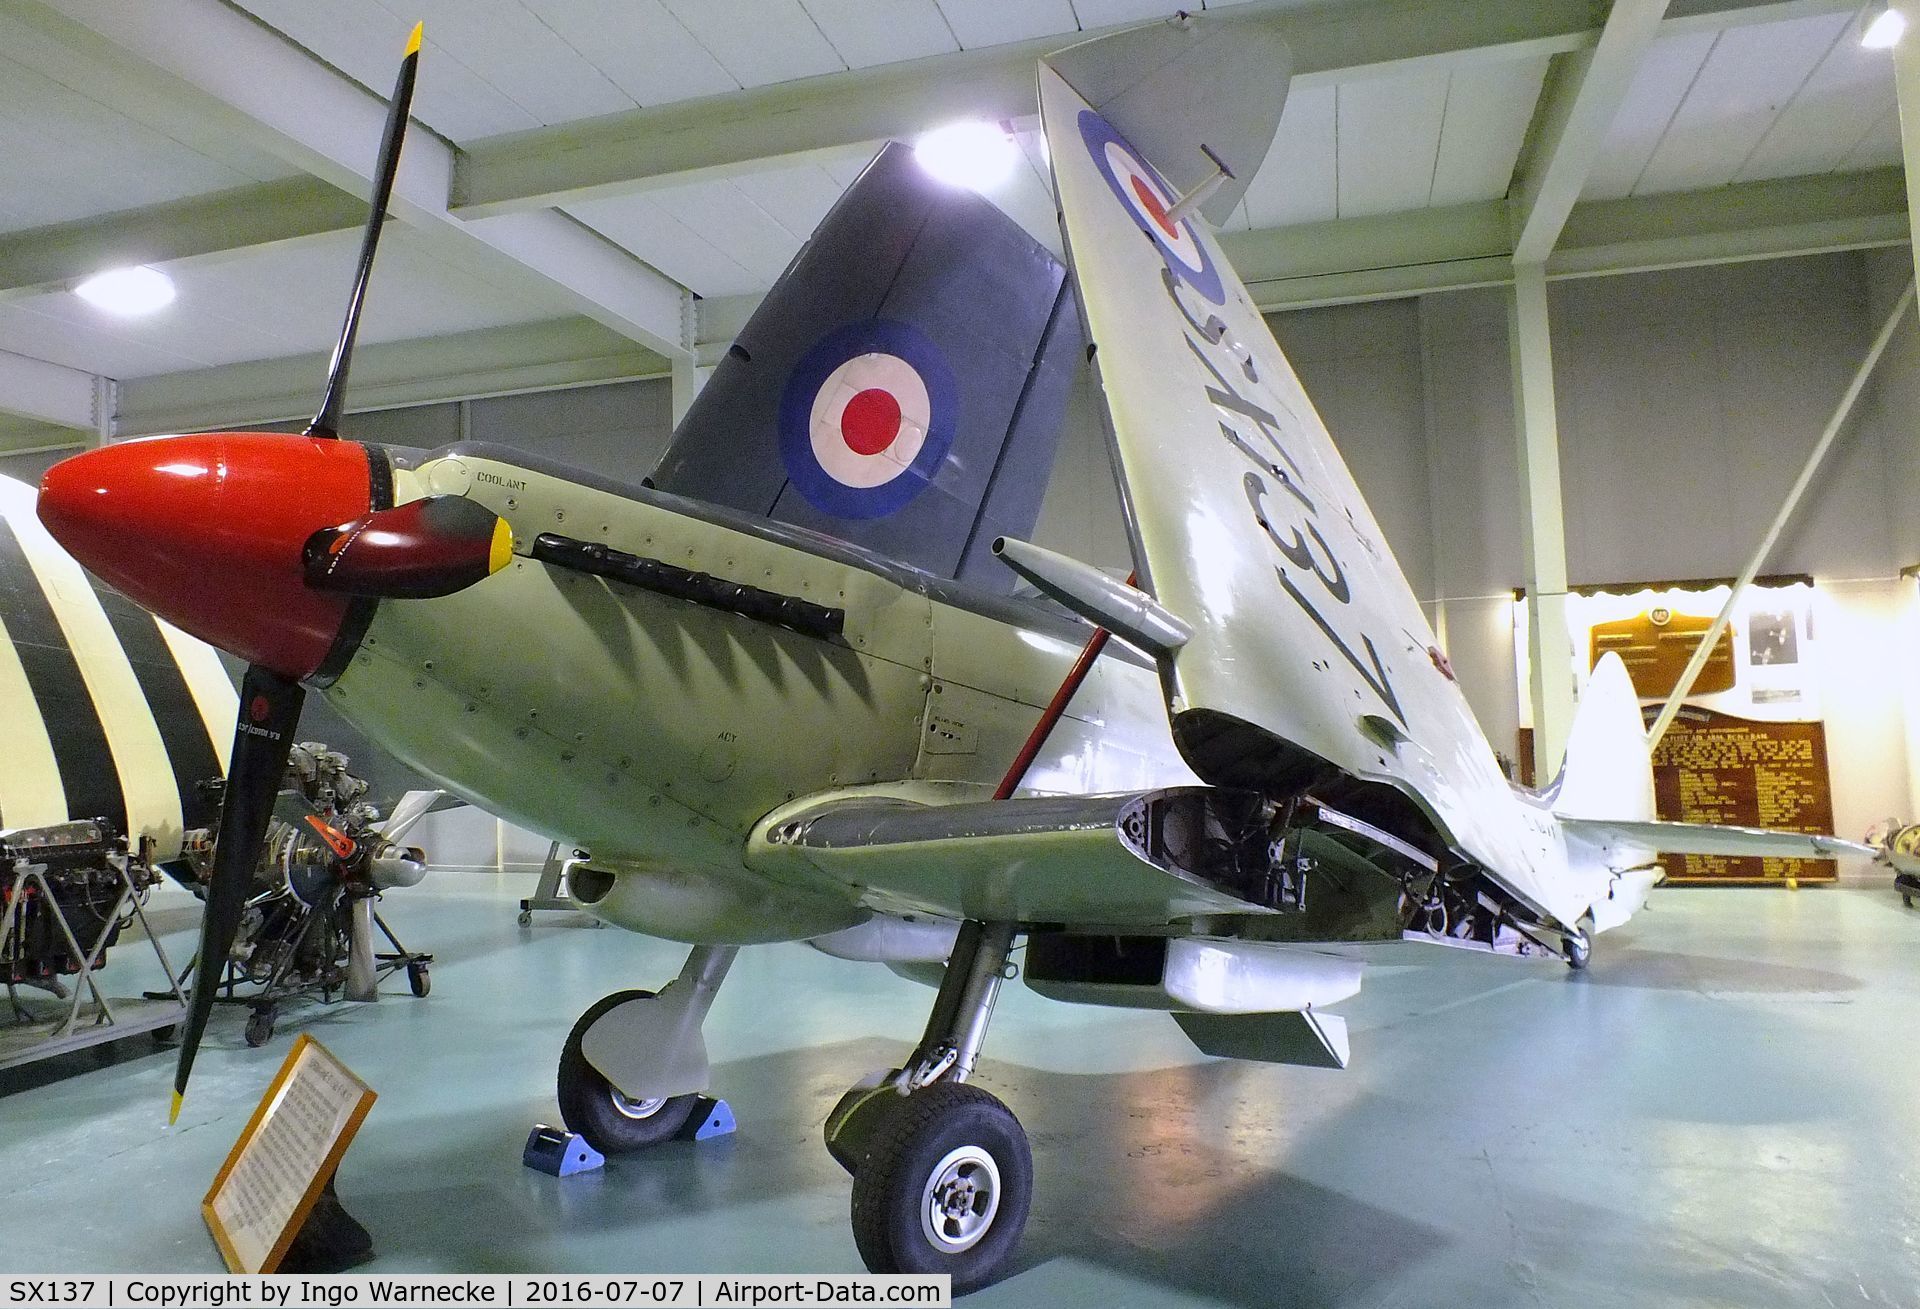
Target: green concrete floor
(1723, 1112)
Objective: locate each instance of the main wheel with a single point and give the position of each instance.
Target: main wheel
(611, 1122)
(1579, 949)
(945, 1188)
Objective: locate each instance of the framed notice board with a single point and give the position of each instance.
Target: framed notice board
(284, 1157)
(1716, 768)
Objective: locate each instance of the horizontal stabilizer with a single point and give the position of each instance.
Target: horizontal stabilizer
(1706, 838)
(1102, 860)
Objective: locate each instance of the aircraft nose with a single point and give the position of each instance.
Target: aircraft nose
(207, 531)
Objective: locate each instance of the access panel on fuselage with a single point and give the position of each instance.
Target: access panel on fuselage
(644, 726)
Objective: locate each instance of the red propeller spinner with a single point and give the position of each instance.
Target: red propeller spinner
(208, 532)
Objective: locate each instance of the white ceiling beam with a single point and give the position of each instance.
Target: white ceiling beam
(1772, 219)
(1464, 246)
(48, 393)
(388, 375)
(704, 137)
(1570, 124)
(712, 136)
(621, 153)
(54, 257)
(323, 122)
(1718, 15)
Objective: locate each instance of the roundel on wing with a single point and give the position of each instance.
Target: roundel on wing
(1148, 198)
(866, 419)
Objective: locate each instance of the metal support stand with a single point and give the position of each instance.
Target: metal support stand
(551, 892)
(82, 1024)
(284, 983)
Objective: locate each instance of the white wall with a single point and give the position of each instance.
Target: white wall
(1687, 401)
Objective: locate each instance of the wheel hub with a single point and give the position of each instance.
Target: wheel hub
(961, 1197)
(634, 1109)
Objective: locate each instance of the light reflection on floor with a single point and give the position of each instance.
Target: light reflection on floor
(1724, 1111)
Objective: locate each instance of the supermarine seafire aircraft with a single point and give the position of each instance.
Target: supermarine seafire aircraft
(786, 688)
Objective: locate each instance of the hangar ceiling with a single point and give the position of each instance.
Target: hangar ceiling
(609, 183)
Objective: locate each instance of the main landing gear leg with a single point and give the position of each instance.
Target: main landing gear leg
(942, 1175)
(635, 1064)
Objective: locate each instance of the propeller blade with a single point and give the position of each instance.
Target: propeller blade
(327, 422)
(406, 815)
(363, 970)
(269, 712)
(413, 551)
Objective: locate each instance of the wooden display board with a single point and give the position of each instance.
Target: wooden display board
(1715, 768)
(284, 1157)
(1656, 645)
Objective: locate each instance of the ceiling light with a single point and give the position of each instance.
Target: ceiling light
(1884, 27)
(127, 291)
(978, 156)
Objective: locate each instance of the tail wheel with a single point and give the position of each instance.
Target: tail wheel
(592, 1106)
(946, 1187)
(1579, 948)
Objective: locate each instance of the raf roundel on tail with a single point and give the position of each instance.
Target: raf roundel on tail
(867, 418)
(1142, 190)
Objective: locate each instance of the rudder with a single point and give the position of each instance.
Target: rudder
(1609, 766)
(903, 385)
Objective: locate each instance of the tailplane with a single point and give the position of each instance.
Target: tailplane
(902, 387)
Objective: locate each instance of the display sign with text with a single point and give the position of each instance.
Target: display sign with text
(1749, 747)
(284, 1157)
(1715, 768)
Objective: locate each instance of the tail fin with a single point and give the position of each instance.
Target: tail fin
(903, 385)
(1609, 767)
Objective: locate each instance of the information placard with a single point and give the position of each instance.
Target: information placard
(284, 1157)
(1715, 768)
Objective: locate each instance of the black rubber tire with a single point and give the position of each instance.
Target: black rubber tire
(259, 1028)
(587, 1099)
(888, 1189)
(1580, 950)
(419, 980)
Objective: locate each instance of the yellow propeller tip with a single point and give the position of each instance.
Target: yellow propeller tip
(173, 1114)
(413, 41)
